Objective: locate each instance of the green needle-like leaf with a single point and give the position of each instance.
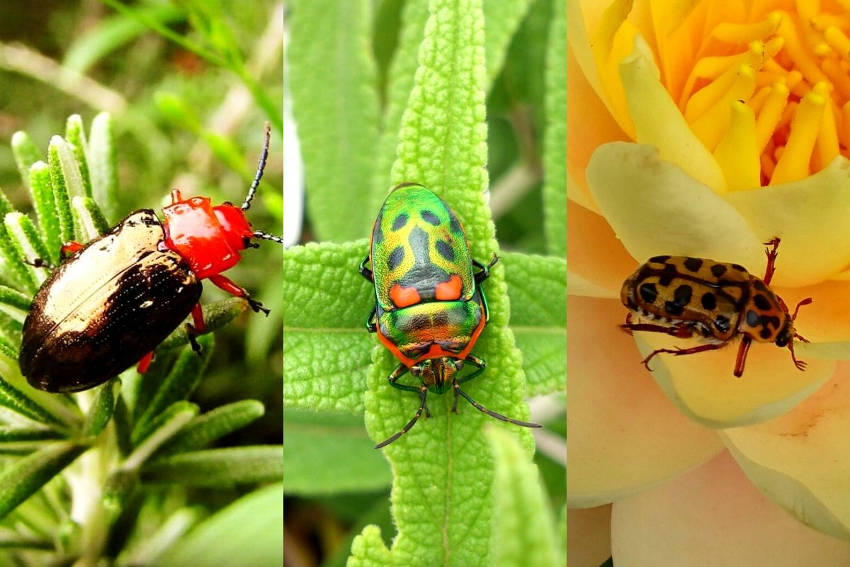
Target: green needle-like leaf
(102, 408)
(159, 430)
(25, 476)
(59, 157)
(502, 18)
(88, 218)
(41, 190)
(523, 527)
(205, 429)
(537, 287)
(102, 164)
(26, 153)
(250, 529)
(14, 298)
(219, 467)
(555, 135)
(326, 351)
(75, 135)
(335, 103)
(28, 244)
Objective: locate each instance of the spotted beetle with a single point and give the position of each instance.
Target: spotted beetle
(429, 307)
(718, 301)
(110, 302)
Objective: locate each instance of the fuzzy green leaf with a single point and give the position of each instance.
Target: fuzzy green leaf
(59, 158)
(102, 408)
(181, 381)
(315, 439)
(206, 428)
(14, 298)
(25, 476)
(15, 400)
(523, 527)
(502, 18)
(216, 315)
(88, 218)
(157, 431)
(555, 135)
(442, 145)
(218, 467)
(326, 350)
(250, 529)
(26, 154)
(537, 286)
(41, 190)
(27, 242)
(102, 164)
(335, 103)
(75, 135)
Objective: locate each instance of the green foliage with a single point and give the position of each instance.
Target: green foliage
(431, 129)
(127, 437)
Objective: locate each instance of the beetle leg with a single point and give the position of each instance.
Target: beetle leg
(70, 248)
(38, 263)
(422, 395)
(680, 330)
(198, 318)
(230, 287)
(192, 332)
(682, 351)
(144, 363)
(771, 260)
(366, 272)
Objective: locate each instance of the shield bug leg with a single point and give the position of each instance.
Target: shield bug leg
(491, 413)
(366, 272)
(423, 391)
(229, 286)
(483, 271)
(371, 324)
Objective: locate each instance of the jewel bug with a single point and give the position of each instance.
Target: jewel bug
(429, 307)
(717, 301)
(112, 301)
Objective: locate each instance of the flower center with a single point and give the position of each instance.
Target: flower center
(785, 74)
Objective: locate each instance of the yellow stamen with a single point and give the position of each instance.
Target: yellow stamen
(838, 41)
(712, 67)
(797, 51)
(807, 9)
(745, 33)
(823, 21)
(770, 113)
(758, 99)
(826, 145)
(844, 132)
(736, 152)
(710, 126)
(837, 76)
(702, 100)
(794, 161)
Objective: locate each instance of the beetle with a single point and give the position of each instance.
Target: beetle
(717, 301)
(112, 301)
(429, 307)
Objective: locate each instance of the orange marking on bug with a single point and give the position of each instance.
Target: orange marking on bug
(404, 296)
(450, 290)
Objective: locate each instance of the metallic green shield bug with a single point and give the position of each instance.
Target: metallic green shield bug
(429, 305)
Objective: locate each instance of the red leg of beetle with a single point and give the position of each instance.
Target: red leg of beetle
(144, 363)
(682, 351)
(771, 260)
(680, 330)
(742, 355)
(227, 285)
(69, 248)
(198, 318)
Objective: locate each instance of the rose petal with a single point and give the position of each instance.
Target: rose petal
(826, 318)
(594, 252)
(656, 208)
(811, 216)
(591, 124)
(703, 387)
(623, 434)
(589, 535)
(660, 123)
(714, 516)
(802, 459)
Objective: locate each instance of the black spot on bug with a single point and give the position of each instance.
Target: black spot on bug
(764, 333)
(454, 225)
(770, 321)
(430, 217)
(693, 264)
(682, 295)
(760, 286)
(721, 323)
(753, 318)
(665, 280)
(648, 292)
(630, 303)
(718, 270)
(659, 259)
(709, 301)
(673, 308)
(761, 302)
(739, 267)
(400, 221)
(445, 250)
(395, 258)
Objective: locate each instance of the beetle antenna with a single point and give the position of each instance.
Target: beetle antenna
(423, 392)
(267, 236)
(260, 167)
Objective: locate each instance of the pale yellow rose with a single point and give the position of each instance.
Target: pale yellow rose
(706, 129)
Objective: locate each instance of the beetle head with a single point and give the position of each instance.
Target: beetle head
(438, 374)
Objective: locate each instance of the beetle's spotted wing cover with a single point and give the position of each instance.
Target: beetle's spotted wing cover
(106, 307)
(419, 252)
